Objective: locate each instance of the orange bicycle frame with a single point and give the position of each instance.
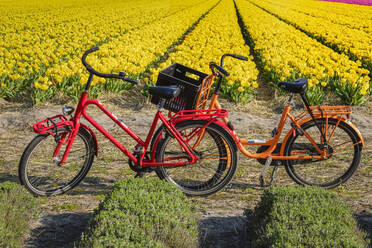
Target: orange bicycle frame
(326, 112)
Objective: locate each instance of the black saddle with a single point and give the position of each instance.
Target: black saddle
(298, 86)
(165, 92)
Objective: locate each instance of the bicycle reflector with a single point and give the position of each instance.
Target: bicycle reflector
(67, 110)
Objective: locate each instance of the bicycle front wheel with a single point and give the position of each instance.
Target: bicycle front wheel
(39, 172)
(217, 158)
(344, 150)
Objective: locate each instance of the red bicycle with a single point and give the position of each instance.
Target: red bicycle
(62, 153)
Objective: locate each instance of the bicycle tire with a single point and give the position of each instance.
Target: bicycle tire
(326, 173)
(210, 174)
(42, 176)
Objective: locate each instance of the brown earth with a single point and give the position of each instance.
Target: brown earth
(64, 217)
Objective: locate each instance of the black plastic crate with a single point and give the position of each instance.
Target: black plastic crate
(187, 79)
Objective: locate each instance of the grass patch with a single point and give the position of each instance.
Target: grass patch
(68, 206)
(142, 212)
(108, 159)
(92, 180)
(17, 208)
(249, 191)
(304, 217)
(99, 197)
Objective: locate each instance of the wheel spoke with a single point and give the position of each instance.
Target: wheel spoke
(214, 168)
(42, 176)
(343, 155)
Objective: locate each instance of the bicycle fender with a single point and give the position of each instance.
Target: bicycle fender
(228, 129)
(346, 121)
(93, 135)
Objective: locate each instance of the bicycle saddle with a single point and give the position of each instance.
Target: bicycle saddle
(298, 86)
(165, 92)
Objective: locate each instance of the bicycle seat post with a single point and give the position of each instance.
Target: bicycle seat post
(161, 104)
(306, 102)
(290, 99)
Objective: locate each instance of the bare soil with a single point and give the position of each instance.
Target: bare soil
(222, 224)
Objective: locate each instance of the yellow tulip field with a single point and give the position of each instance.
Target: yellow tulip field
(42, 42)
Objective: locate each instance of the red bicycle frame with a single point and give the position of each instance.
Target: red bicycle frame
(61, 121)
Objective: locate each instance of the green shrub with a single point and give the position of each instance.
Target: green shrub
(17, 208)
(304, 217)
(142, 213)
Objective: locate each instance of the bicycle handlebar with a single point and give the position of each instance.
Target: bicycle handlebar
(219, 68)
(121, 75)
(234, 56)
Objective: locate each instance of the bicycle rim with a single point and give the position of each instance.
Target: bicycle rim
(41, 174)
(215, 168)
(344, 154)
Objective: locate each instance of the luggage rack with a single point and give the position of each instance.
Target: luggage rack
(326, 111)
(50, 125)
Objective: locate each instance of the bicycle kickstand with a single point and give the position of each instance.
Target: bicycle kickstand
(263, 172)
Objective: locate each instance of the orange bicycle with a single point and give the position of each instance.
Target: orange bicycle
(321, 148)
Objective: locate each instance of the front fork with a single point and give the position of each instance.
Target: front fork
(62, 141)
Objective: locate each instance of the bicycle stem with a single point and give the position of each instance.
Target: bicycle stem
(216, 90)
(87, 86)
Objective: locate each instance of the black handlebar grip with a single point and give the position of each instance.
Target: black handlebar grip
(130, 80)
(220, 69)
(239, 57)
(93, 49)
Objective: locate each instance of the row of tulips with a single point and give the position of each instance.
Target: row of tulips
(351, 35)
(218, 33)
(128, 32)
(287, 53)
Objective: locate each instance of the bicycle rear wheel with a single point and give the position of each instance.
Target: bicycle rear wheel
(345, 154)
(39, 172)
(217, 159)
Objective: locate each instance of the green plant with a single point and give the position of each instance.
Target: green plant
(17, 208)
(315, 95)
(350, 93)
(304, 217)
(67, 206)
(142, 213)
